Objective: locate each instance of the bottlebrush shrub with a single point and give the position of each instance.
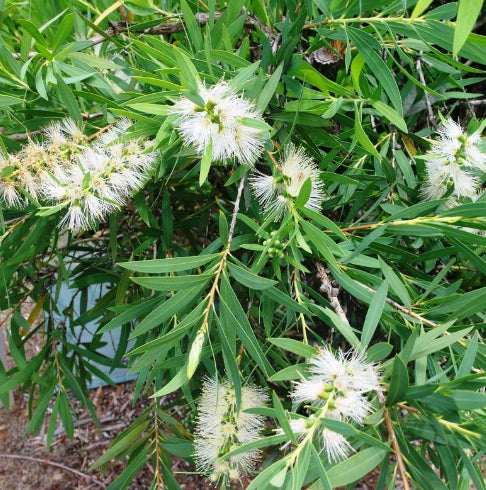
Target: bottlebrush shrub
(281, 207)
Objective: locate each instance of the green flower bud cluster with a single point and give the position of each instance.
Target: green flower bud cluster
(276, 246)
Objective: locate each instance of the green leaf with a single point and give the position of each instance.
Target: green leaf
(294, 346)
(336, 321)
(398, 382)
(131, 312)
(362, 137)
(467, 14)
(420, 7)
(365, 43)
(63, 31)
(206, 159)
(355, 467)
(423, 346)
(374, 314)
(321, 470)
(270, 88)
(304, 194)
(469, 357)
(180, 301)
(171, 283)
(395, 283)
(391, 114)
(173, 264)
(249, 279)
(193, 29)
(68, 100)
(475, 258)
(155, 109)
(469, 400)
(174, 384)
(243, 328)
(122, 444)
(189, 76)
(295, 371)
(7, 100)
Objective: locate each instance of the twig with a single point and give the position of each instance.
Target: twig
(403, 309)
(57, 465)
(211, 296)
(430, 111)
(407, 408)
(235, 211)
(331, 293)
(396, 449)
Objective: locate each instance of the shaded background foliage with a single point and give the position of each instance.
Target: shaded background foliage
(361, 85)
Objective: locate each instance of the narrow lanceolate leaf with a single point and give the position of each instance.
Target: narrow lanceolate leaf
(294, 346)
(270, 88)
(173, 264)
(467, 14)
(362, 137)
(374, 314)
(171, 283)
(205, 164)
(355, 467)
(420, 7)
(398, 381)
(249, 279)
(180, 301)
(377, 67)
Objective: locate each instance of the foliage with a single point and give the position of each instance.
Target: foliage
(201, 281)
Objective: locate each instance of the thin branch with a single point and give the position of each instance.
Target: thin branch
(224, 256)
(407, 408)
(428, 103)
(403, 309)
(331, 293)
(57, 465)
(236, 209)
(396, 449)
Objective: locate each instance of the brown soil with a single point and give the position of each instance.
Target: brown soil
(26, 464)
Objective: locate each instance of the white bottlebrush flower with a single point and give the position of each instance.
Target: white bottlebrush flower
(454, 161)
(335, 388)
(336, 445)
(276, 192)
(308, 390)
(348, 370)
(219, 122)
(90, 180)
(10, 194)
(221, 427)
